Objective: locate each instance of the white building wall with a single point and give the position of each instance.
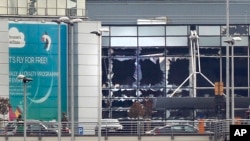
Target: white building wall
(87, 69)
(4, 58)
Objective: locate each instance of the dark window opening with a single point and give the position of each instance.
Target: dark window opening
(123, 72)
(151, 72)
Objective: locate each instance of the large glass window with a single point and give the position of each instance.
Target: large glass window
(151, 31)
(151, 41)
(124, 41)
(209, 41)
(176, 41)
(149, 62)
(123, 31)
(244, 41)
(176, 30)
(209, 30)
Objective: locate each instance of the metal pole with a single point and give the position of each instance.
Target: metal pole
(227, 61)
(72, 83)
(99, 86)
(232, 83)
(248, 73)
(99, 97)
(24, 110)
(220, 65)
(59, 81)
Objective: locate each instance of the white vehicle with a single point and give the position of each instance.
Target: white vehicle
(109, 125)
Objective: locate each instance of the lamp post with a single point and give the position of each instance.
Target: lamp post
(25, 80)
(227, 61)
(99, 34)
(71, 22)
(59, 110)
(231, 43)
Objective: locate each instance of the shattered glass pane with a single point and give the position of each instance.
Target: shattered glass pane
(151, 66)
(152, 92)
(123, 52)
(123, 72)
(132, 72)
(178, 72)
(235, 30)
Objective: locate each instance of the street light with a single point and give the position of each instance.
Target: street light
(25, 80)
(59, 110)
(99, 34)
(70, 22)
(227, 61)
(231, 43)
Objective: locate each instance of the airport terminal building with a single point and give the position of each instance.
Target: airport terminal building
(153, 50)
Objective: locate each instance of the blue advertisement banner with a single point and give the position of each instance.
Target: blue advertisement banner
(33, 52)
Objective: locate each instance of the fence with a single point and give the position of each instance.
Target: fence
(207, 130)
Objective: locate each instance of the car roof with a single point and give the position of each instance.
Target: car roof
(109, 120)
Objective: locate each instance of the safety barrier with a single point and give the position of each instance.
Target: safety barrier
(200, 130)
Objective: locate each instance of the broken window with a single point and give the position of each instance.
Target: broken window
(134, 69)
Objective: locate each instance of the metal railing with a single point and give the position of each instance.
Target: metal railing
(216, 129)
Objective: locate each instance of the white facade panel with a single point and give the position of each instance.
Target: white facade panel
(4, 82)
(90, 81)
(88, 113)
(87, 38)
(4, 90)
(85, 99)
(88, 26)
(4, 58)
(3, 36)
(4, 26)
(87, 70)
(87, 59)
(87, 49)
(88, 91)
(88, 77)
(3, 47)
(4, 69)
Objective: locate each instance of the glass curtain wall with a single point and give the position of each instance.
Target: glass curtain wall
(142, 62)
(41, 7)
